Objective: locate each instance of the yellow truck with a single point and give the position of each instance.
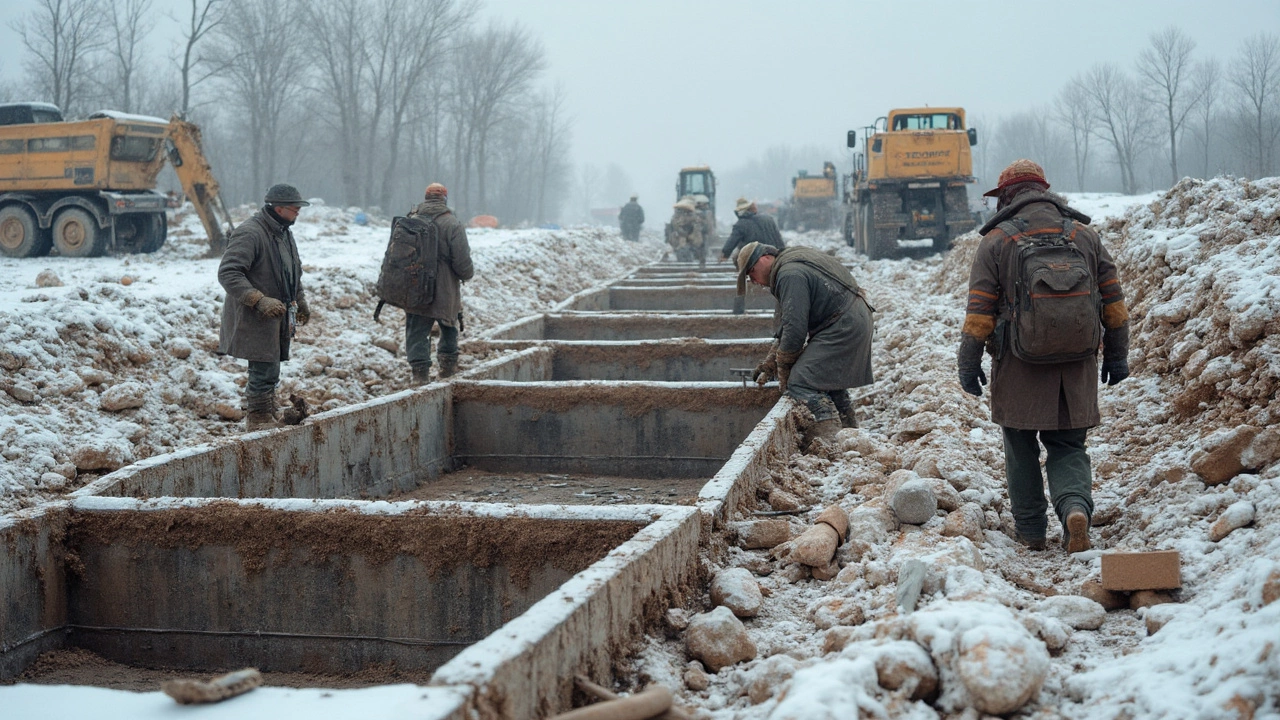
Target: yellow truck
(813, 203)
(908, 192)
(88, 186)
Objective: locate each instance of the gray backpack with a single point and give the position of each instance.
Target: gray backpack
(1056, 304)
(408, 276)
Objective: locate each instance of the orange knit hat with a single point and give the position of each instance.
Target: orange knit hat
(1019, 171)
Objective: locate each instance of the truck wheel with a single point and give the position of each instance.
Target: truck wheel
(20, 235)
(848, 228)
(156, 231)
(76, 234)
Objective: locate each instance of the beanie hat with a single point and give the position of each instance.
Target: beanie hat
(436, 189)
(1019, 171)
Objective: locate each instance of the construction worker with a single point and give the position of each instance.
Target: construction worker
(823, 343)
(1044, 384)
(630, 218)
(262, 276)
(688, 230)
(751, 227)
(454, 267)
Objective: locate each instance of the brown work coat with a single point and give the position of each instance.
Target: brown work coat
(455, 263)
(1026, 396)
(261, 255)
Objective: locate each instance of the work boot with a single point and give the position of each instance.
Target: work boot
(448, 364)
(421, 374)
(1035, 543)
(261, 412)
(296, 412)
(848, 419)
(824, 430)
(739, 304)
(1075, 530)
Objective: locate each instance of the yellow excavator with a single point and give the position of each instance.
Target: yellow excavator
(84, 187)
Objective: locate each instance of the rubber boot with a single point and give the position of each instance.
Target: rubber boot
(262, 412)
(1075, 530)
(420, 374)
(448, 364)
(824, 430)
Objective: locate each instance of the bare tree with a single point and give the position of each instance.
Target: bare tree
(588, 189)
(551, 138)
(130, 23)
(1120, 117)
(62, 38)
(1165, 67)
(1207, 78)
(1073, 112)
(339, 43)
(206, 16)
(1256, 77)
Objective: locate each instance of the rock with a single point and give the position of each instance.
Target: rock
(907, 666)
(93, 376)
(947, 496)
(817, 546)
(126, 280)
(965, 522)
(66, 470)
(695, 678)
(1108, 599)
(1236, 516)
(914, 502)
(47, 278)
(1271, 588)
(22, 392)
(780, 499)
(1158, 616)
(718, 639)
(927, 467)
(826, 572)
(756, 534)
(52, 481)
(1050, 630)
(959, 551)
(910, 582)
(345, 301)
(795, 572)
(389, 344)
(737, 590)
(677, 619)
(836, 610)
(229, 411)
(1148, 598)
(101, 454)
(179, 348)
(1001, 670)
(1219, 457)
(837, 638)
(870, 524)
(123, 396)
(1264, 450)
(877, 574)
(765, 679)
(1078, 612)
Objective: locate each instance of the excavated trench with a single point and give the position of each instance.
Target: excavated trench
(495, 534)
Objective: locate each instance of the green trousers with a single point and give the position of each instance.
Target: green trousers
(1070, 478)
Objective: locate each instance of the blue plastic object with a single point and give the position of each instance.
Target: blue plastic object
(361, 219)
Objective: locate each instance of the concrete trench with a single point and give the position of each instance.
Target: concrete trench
(488, 537)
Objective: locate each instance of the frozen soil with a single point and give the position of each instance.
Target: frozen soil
(471, 485)
(1200, 266)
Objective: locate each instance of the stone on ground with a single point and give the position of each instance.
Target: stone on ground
(1080, 613)
(737, 590)
(1108, 599)
(766, 679)
(757, 534)
(719, 639)
(905, 665)
(914, 502)
(1156, 617)
(1236, 516)
(1219, 457)
(967, 521)
(124, 396)
(1001, 670)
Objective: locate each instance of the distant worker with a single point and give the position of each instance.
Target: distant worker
(444, 307)
(1043, 294)
(752, 227)
(630, 218)
(703, 205)
(262, 275)
(823, 343)
(688, 231)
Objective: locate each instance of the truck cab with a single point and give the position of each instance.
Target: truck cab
(26, 113)
(697, 180)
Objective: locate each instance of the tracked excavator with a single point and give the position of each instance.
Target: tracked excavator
(86, 187)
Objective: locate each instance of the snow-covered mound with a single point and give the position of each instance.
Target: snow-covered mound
(110, 360)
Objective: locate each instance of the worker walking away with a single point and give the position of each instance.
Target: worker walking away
(751, 227)
(1043, 295)
(265, 302)
(823, 343)
(687, 236)
(426, 262)
(630, 218)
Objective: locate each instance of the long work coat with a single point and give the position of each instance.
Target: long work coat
(455, 263)
(1027, 396)
(753, 227)
(824, 317)
(261, 255)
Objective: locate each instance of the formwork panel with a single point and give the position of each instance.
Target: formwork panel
(33, 608)
(691, 360)
(632, 326)
(687, 297)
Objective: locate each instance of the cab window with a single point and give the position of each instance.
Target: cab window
(695, 185)
(131, 148)
(931, 121)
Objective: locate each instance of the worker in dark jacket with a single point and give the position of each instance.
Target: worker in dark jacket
(1056, 401)
(631, 218)
(823, 342)
(262, 276)
(752, 227)
(453, 269)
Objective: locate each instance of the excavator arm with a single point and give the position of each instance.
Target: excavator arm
(188, 160)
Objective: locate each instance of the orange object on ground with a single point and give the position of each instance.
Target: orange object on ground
(485, 221)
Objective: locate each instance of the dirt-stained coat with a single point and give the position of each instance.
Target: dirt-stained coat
(823, 313)
(261, 255)
(1026, 396)
(455, 267)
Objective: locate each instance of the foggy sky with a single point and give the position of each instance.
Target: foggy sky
(658, 84)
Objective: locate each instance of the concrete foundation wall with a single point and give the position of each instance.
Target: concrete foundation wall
(33, 576)
(693, 361)
(625, 326)
(686, 297)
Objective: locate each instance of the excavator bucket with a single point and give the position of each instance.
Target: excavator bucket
(189, 162)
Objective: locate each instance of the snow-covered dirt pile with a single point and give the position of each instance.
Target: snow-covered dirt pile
(999, 629)
(110, 360)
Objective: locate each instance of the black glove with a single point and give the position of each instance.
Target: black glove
(969, 363)
(1115, 355)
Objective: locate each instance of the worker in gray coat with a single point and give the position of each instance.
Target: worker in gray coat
(445, 310)
(262, 276)
(823, 342)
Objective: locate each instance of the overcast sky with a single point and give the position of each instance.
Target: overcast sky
(657, 84)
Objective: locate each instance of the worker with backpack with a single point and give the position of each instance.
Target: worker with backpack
(1043, 296)
(426, 262)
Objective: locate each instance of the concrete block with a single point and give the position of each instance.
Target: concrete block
(1127, 571)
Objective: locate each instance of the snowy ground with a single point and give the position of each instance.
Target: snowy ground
(1200, 267)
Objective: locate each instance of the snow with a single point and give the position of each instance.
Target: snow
(128, 117)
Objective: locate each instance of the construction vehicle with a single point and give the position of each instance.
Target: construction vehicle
(813, 203)
(908, 194)
(698, 184)
(88, 186)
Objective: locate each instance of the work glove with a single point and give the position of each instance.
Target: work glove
(969, 363)
(270, 307)
(768, 368)
(1115, 355)
(303, 315)
(785, 362)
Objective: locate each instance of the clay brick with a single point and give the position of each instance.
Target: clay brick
(1126, 571)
